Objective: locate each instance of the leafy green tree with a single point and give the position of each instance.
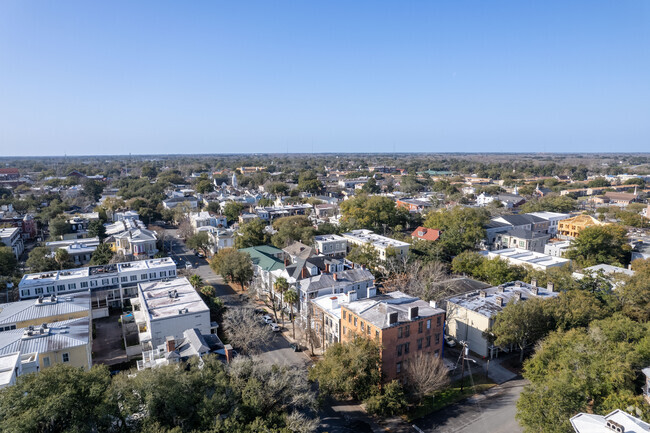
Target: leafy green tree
(278, 188)
(634, 294)
(40, 260)
(233, 265)
(599, 182)
(349, 370)
(371, 187)
(58, 399)
(468, 262)
(149, 171)
(8, 261)
(62, 259)
(600, 244)
(392, 401)
(102, 255)
(551, 203)
(93, 189)
(58, 227)
(372, 212)
(199, 241)
(291, 229)
(462, 228)
(196, 281)
(232, 210)
(291, 297)
(252, 234)
(364, 255)
(208, 291)
(308, 182)
(97, 229)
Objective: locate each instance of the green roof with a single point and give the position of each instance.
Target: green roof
(436, 172)
(264, 257)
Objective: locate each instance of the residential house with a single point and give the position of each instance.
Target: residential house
(470, 316)
(557, 248)
(553, 219)
(168, 308)
(570, 228)
(79, 250)
(521, 257)
(189, 202)
(414, 205)
(614, 422)
(357, 279)
(193, 344)
(220, 238)
(352, 183)
(382, 244)
(265, 258)
(207, 219)
(331, 245)
(326, 210)
(125, 215)
(11, 237)
(522, 238)
(402, 325)
(135, 243)
(425, 234)
(299, 251)
(505, 223)
(508, 201)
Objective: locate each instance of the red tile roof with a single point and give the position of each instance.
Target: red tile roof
(426, 234)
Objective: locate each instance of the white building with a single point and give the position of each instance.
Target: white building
(126, 215)
(11, 238)
(380, 243)
(206, 219)
(190, 202)
(557, 249)
(168, 308)
(614, 422)
(471, 315)
(553, 218)
(358, 279)
(80, 250)
(518, 256)
(219, 238)
(331, 245)
(353, 183)
(109, 284)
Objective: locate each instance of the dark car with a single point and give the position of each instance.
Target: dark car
(295, 347)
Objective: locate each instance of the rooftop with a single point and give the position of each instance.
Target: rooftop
(369, 237)
(43, 308)
(323, 238)
(342, 279)
(375, 310)
(60, 335)
(591, 423)
(163, 299)
(490, 301)
(521, 256)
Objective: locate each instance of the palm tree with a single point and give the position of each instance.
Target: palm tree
(281, 285)
(196, 281)
(292, 299)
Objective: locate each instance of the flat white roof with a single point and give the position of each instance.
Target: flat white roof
(329, 238)
(590, 423)
(164, 299)
(369, 237)
(7, 232)
(526, 257)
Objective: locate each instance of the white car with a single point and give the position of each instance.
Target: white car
(268, 319)
(188, 265)
(449, 341)
(275, 327)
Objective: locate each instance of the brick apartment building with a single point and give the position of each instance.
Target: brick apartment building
(403, 326)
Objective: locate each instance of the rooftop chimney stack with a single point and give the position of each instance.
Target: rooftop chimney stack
(518, 296)
(533, 282)
(482, 293)
(550, 286)
(336, 278)
(433, 304)
(228, 350)
(499, 301)
(352, 295)
(335, 302)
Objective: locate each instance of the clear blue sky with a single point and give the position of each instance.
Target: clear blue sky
(113, 77)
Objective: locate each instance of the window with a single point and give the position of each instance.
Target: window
(163, 274)
(436, 353)
(143, 276)
(429, 324)
(46, 361)
(93, 283)
(172, 273)
(152, 275)
(363, 328)
(398, 368)
(420, 326)
(65, 357)
(355, 322)
(344, 330)
(438, 338)
(368, 329)
(399, 332)
(419, 343)
(439, 320)
(105, 281)
(24, 292)
(60, 287)
(343, 314)
(72, 286)
(406, 348)
(84, 284)
(349, 319)
(399, 350)
(408, 330)
(377, 335)
(428, 341)
(39, 290)
(115, 280)
(124, 279)
(50, 289)
(134, 278)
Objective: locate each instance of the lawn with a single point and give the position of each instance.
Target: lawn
(474, 384)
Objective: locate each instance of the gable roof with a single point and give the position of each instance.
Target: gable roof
(263, 256)
(426, 234)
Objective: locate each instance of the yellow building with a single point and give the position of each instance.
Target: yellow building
(571, 227)
(46, 309)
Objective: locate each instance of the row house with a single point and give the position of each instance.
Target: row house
(11, 237)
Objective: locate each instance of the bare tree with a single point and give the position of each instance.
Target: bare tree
(426, 374)
(245, 330)
(185, 229)
(419, 279)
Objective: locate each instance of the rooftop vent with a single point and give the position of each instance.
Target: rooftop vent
(614, 426)
(533, 282)
(499, 301)
(550, 286)
(501, 289)
(482, 293)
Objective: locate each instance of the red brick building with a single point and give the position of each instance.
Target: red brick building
(403, 326)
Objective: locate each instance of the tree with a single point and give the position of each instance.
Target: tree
(93, 189)
(40, 260)
(600, 244)
(185, 228)
(349, 370)
(232, 210)
(281, 285)
(252, 234)
(62, 259)
(462, 228)
(8, 261)
(204, 185)
(634, 294)
(426, 373)
(371, 186)
(97, 229)
(291, 297)
(420, 279)
(373, 213)
(58, 399)
(391, 401)
(102, 255)
(291, 229)
(308, 182)
(196, 281)
(58, 227)
(199, 242)
(277, 188)
(521, 323)
(246, 331)
(599, 182)
(233, 265)
(365, 255)
(551, 203)
(207, 291)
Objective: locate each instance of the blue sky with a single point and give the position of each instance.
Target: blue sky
(89, 77)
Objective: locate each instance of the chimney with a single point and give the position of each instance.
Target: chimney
(229, 355)
(518, 296)
(550, 286)
(501, 289)
(352, 295)
(303, 273)
(535, 290)
(170, 344)
(335, 302)
(413, 313)
(327, 268)
(392, 318)
(372, 291)
(286, 262)
(433, 304)
(518, 284)
(336, 278)
(499, 301)
(533, 282)
(482, 293)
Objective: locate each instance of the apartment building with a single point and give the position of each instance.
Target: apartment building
(331, 245)
(45, 309)
(11, 237)
(401, 324)
(384, 245)
(520, 256)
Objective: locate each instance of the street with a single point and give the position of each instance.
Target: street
(492, 414)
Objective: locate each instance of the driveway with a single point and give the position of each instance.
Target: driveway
(107, 344)
(494, 413)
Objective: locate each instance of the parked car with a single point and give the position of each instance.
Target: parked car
(188, 265)
(449, 341)
(268, 319)
(275, 327)
(295, 347)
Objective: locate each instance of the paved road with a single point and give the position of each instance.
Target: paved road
(493, 414)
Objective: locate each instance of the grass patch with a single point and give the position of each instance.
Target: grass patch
(475, 384)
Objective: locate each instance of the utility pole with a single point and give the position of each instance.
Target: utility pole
(462, 370)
